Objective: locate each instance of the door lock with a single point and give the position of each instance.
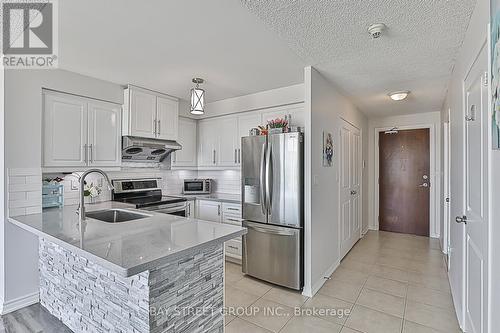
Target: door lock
(461, 219)
(424, 185)
(353, 192)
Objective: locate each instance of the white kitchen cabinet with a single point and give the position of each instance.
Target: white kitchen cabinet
(209, 210)
(208, 139)
(104, 130)
(167, 117)
(296, 112)
(227, 141)
(79, 132)
(149, 114)
(186, 157)
(142, 113)
(65, 131)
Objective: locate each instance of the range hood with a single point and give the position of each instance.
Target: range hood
(136, 149)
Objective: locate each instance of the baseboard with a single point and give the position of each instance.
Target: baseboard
(321, 281)
(18, 303)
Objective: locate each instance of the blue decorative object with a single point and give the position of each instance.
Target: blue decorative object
(52, 195)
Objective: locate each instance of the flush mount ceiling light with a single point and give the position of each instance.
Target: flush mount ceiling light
(375, 30)
(197, 98)
(399, 95)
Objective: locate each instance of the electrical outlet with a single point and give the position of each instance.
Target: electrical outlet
(74, 184)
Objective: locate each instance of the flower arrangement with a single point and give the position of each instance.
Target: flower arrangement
(91, 190)
(277, 123)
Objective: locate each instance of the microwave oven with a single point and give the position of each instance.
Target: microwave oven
(197, 186)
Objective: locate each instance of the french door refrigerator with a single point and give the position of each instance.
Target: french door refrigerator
(273, 207)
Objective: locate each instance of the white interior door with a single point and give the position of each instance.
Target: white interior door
(475, 215)
(350, 186)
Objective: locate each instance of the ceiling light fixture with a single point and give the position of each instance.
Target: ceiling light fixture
(399, 95)
(375, 30)
(197, 98)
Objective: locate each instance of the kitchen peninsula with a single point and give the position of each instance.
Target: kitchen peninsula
(156, 273)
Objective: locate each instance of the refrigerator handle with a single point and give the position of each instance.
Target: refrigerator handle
(263, 179)
(269, 178)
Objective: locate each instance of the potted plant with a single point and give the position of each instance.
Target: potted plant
(277, 126)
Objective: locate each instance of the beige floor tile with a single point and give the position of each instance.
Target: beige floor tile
(231, 277)
(430, 296)
(228, 318)
(388, 286)
(405, 254)
(390, 273)
(346, 329)
(269, 315)
(431, 316)
(232, 267)
(411, 327)
(430, 281)
(370, 321)
(350, 276)
(340, 289)
(241, 326)
(310, 324)
(383, 302)
(337, 309)
(393, 261)
(238, 298)
(253, 286)
(354, 265)
(285, 296)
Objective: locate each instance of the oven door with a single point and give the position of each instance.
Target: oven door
(179, 209)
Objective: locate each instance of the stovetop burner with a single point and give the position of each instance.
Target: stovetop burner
(141, 193)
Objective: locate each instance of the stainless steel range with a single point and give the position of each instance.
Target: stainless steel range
(145, 194)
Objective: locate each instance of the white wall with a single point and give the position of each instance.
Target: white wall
(23, 126)
(2, 186)
(475, 37)
(324, 106)
(430, 118)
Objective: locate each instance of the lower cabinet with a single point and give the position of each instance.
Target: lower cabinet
(209, 210)
(191, 209)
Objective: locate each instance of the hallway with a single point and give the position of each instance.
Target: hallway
(391, 283)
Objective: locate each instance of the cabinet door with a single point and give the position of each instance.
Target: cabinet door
(104, 121)
(207, 138)
(65, 131)
(296, 112)
(227, 136)
(142, 113)
(245, 124)
(209, 210)
(167, 117)
(187, 138)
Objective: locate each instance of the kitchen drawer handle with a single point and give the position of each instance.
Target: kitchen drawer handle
(233, 247)
(273, 232)
(236, 209)
(235, 220)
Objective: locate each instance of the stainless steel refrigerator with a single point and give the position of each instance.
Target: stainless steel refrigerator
(273, 207)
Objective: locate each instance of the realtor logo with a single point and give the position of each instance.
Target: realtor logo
(29, 34)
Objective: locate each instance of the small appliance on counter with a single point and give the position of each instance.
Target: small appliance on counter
(197, 186)
(145, 194)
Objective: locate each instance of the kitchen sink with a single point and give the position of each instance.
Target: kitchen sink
(115, 215)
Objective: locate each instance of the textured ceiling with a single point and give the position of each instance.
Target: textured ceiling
(162, 45)
(417, 52)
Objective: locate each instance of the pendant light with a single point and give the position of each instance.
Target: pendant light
(197, 98)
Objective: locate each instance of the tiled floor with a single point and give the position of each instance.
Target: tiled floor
(390, 283)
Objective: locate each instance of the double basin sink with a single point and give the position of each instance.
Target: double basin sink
(115, 215)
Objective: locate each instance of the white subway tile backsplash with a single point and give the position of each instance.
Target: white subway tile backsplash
(24, 191)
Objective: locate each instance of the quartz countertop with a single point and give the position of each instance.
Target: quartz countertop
(223, 197)
(126, 248)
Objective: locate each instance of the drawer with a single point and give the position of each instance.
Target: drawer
(232, 219)
(234, 209)
(234, 246)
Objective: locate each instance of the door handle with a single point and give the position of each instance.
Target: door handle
(263, 179)
(235, 156)
(461, 219)
(424, 185)
(154, 126)
(269, 231)
(159, 126)
(214, 156)
(86, 152)
(269, 178)
(239, 155)
(91, 147)
(353, 192)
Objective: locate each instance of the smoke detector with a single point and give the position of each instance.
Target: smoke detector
(375, 30)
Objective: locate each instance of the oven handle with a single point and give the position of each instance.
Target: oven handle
(168, 209)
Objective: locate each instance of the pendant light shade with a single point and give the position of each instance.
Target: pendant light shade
(197, 98)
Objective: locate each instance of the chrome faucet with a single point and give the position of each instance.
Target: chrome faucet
(81, 208)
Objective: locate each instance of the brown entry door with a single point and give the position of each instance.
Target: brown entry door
(404, 164)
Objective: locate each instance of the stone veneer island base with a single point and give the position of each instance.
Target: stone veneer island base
(181, 295)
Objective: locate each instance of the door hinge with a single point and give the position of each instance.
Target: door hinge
(486, 79)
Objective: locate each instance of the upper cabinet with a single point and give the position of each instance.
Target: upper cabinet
(80, 132)
(149, 114)
(186, 157)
